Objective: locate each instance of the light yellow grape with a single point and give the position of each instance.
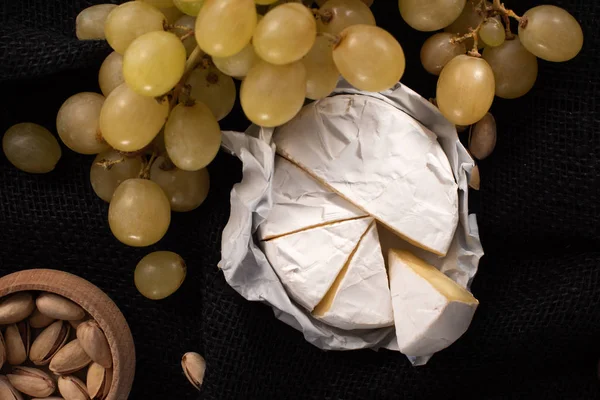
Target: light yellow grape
(337, 15)
(285, 34)
(111, 73)
(189, 22)
(129, 121)
(321, 73)
(159, 274)
(438, 50)
(369, 58)
(465, 90)
(192, 136)
(171, 14)
(31, 148)
(77, 123)
(469, 18)
(106, 178)
(225, 27)
(154, 63)
(139, 213)
(551, 33)
(264, 2)
(189, 7)
(89, 24)
(367, 2)
(515, 68)
(130, 20)
(186, 190)
(239, 64)
(271, 95)
(159, 3)
(430, 15)
(213, 88)
(492, 32)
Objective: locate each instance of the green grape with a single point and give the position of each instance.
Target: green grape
(110, 169)
(130, 20)
(438, 50)
(321, 73)
(551, 33)
(285, 34)
(264, 2)
(271, 95)
(492, 32)
(154, 63)
(337, 15)
(77, 123)
(159, 274)
(321, 2)
(189, 42)
(171, 14)
(111, 73)
(31, 148)
(469, 18)
(192, 136)
(430, 15)
(239, 64)
(369, 58)
(189, 7)
(89, 24)
(159, 3)
(213, 88)
(465, 90)
(186, 190)
(129, 121)
(225, 27)
(139, 213)
(515, 68)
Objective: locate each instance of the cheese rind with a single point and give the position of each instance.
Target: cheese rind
(308, 262)
(360, 297)
(300, 202)
(431, 311)
(395, 170)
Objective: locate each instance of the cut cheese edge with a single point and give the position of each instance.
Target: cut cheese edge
(359, 298)
(309, 261)
(431, 311)
(300, 203)
(382, 161)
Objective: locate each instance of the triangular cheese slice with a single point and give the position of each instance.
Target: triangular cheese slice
(307, 262)
(359, 298)
(300, 202)
(431, 311)
(379, 159)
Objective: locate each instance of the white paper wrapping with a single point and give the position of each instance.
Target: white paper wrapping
(247, 269)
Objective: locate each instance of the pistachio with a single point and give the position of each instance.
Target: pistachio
(15, 308)
(7, 391)
(17, 338)
(194, 366)
(49, 342)
(57, 307)
(75, 324)
(2, 350)
(482, 138)
(474, 181)
(69, 359)
(39, 320)
(32, 381)
(72, 388)
(49, 398)
(94, 342)
(99, 380)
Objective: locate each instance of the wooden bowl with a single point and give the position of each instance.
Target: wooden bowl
(97, 304)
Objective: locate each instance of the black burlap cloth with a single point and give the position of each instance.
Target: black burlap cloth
(535, 335)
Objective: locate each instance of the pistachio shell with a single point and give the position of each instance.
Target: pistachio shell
(92, 339)
(474, 182)
(15, 308)
(72, 388)
(49, 342)
(7, 391)
(2, 350)
(75, 324)
(17, 338)
(32, 381)
(69, 359)
(99, 380)
(38, 320)
(194, 367)
(57, 307)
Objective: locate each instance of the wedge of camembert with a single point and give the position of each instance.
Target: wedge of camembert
(359, 297)
(300, 202)
(379, 159)
(431, 311)
(308, 262)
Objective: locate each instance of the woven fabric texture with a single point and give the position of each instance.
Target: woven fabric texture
(535, 335)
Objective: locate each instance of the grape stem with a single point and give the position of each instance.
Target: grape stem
(146, 166)
(187, 35)
(108, 164)
(190, 64)
(334, 39)
(473, 33)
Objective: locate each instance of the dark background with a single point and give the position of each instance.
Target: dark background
(535, 335)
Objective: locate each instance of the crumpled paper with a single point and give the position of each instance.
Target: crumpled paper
(247, 269)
